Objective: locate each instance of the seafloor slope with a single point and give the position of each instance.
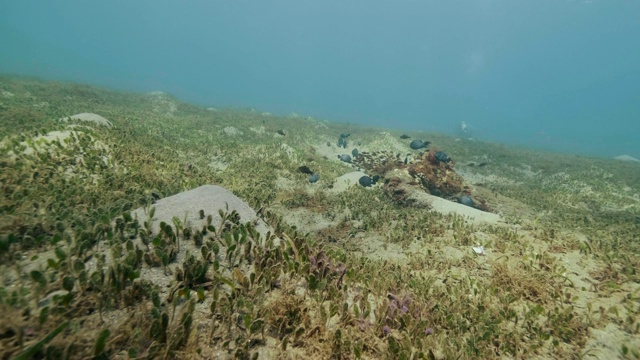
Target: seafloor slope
(114, 244)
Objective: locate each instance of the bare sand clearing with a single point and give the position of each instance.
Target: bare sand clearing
(186, 208)
(626, 158)
(344, 182)
(187, 205)
(447, 207)
(89, 117)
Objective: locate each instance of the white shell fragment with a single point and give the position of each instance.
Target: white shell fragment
(479, 250)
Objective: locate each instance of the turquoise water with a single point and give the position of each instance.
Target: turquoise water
(560, 75)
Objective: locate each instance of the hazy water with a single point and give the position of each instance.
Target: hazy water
(558, 74)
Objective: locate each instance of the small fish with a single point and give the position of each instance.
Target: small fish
(419, 144)
(466, 200)
(442, 157)
(281, 132)
(344, 135)
(405, 136)
(479, 165)
(345, 158)
(305, 170)
(367, 181)
(313, 178)
(355, 153)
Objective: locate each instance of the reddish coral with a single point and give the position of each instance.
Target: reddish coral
(437, 177)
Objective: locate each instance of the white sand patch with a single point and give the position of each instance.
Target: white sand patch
(331, 152)
(290, 152)
(376, 247)
(89, 117)
(346, 181)
(41, 143)
(607, 343)
(578, 268)
(384, 141)
(309, 221)
(283, 183)
(162, 103)
(231, 131)
(475, 178)
(320, 125)
(527, 171)
(446, 207)
(56, 144)
(258, 130)
(626, 158)
(218, 162)
(186, 207)
(452, 253)
(209, 198)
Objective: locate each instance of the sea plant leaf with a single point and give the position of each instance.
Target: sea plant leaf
(68, 282)
(256, 326)
(38, 277)
(101, 342)
(31, 351)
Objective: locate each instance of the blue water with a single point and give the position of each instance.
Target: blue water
(557, 74)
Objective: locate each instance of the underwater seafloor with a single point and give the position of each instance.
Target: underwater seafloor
(118, 239)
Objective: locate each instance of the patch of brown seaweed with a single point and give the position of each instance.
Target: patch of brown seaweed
(379, 162)
(437, 177)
